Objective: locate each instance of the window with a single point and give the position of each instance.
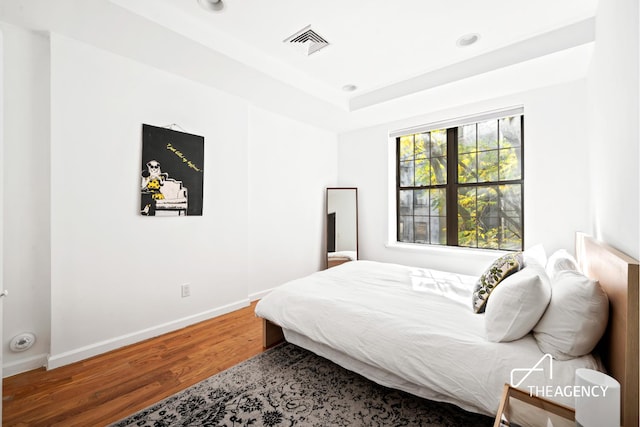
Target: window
(462, 185)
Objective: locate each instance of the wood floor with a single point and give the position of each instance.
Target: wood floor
(106, 388)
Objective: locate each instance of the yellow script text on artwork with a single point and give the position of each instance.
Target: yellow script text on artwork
(178, 153)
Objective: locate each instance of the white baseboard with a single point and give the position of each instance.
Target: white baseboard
(258, 295)
(62, 359)
(24, 365)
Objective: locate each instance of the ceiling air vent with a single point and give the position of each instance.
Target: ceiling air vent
(307, 40)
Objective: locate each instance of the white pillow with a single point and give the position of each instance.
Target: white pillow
(516, 306)
(559, 261)
(535, 254)
(576, 317)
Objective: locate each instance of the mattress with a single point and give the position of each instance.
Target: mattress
(411, 329)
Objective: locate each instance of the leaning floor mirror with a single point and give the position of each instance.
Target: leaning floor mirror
(342, 225)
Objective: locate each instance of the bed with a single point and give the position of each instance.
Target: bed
(412, 329)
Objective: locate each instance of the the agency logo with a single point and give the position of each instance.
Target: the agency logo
(520, 375)
(528, 371)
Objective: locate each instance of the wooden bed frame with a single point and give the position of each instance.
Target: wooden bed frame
(618, 274)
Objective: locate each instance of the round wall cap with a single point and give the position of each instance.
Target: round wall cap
(22, 342)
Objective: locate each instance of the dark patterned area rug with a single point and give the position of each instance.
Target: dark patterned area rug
(290, 386)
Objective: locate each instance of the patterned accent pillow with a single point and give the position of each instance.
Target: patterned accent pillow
(500, 269)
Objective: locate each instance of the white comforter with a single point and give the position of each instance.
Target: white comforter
(411, 324)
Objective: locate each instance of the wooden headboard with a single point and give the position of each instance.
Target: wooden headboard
(618, 275)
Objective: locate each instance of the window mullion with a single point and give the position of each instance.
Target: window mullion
(398, 189)
(452, 186)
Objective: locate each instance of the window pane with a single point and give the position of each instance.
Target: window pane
(467, 202)
(406, 147)
(488, 166)
(511, 200)
(467, 235)
(405, 229)
(511, 241)
(510, 164)
(467, 168)
(406, 202)
(438, 143)
(421, 202)
(488, 239)
(512, 220)
(438, 170)
(510, 216)
(488, 135)
(467, 139)
(510, 132)
(438, 228)
(421, 229)
(422, 145)
(488, 217)
(406, 174)
(422, 172)
(438, 206)
(488, 202)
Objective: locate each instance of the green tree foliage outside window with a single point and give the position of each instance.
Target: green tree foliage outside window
(474, 200)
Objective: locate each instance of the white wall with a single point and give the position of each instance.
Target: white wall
(26, 213)
(290, 164)
(88, 272)
(1, 195)
(614, 119)
(114, 272)
(556, 195)
(614, 126)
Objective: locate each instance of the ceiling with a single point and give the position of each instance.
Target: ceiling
(373, 44)
(402, 56)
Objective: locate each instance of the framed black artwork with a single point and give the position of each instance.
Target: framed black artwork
(172, 172)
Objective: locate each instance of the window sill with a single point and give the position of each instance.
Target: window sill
(488, 254)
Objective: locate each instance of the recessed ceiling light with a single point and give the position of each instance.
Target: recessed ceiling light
(349, 88)
(468, 39)
(211, 5)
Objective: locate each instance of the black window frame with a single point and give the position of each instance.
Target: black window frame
(452, 186)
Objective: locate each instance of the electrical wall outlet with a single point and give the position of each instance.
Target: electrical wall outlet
(185, 290)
